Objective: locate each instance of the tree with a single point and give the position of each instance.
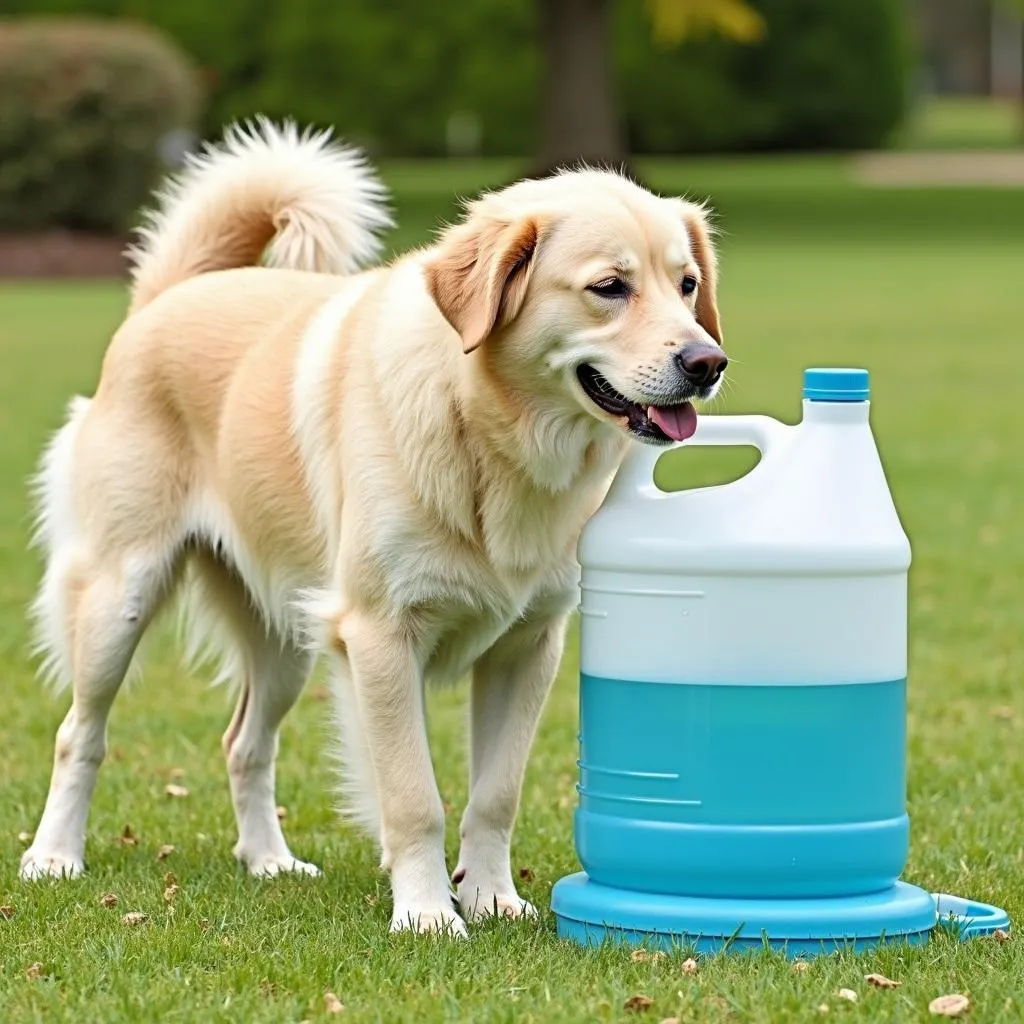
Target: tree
(581, 119)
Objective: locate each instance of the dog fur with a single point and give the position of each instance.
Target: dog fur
(388, 466)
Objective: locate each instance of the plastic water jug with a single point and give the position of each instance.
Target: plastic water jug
(743, 656)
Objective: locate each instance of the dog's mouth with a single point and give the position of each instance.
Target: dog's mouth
(657, 423)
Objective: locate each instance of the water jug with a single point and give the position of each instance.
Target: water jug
(743, 659)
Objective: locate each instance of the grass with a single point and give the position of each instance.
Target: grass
(964, 122)
(924, 289)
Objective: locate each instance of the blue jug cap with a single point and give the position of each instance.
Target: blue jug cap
(836, 384)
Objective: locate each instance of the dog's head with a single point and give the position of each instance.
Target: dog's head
(587, 289)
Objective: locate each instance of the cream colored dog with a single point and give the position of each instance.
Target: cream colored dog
(391, 466)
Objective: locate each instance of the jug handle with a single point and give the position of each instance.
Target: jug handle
(636, 474)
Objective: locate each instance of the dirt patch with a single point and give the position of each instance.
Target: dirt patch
(61, 254)
(964, 169)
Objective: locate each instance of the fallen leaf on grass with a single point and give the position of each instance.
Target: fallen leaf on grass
(127, 837)
(848, 994)
(799, 966)
(282, 812)
(332, 1004)
(165, 851)
(525, 874)
(7, 911)
(108, 900)
(177, 773)
(204, 924)
(169, 879)
(25, 838)
(1001, 936)
(690, 966)
(881, 981)
(638, 1004)
(170, 892)
(135, 917)
(952, 1005)
(642, 956)
(1003, 711)
(34, 971)
(173, 790)
(823, 1008)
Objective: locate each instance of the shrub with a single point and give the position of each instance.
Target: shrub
(84, 107)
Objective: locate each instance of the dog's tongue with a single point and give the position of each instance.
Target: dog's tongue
(677, 421)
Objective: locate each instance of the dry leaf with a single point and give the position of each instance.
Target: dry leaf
(525, 875)
(848, 994)
(638, 1004)
(165, 851)
(1001, 936)
(690, 966)
(169, 879)
(25, 838)
(282, 812)
(7, 911)
(108, 900)
(823, 1008)
(881, 981)
(949, 1006)
(127, 837)
(170, 892)
(34, 971)
(332, 1004)
(799, 966)
(175, 791)
(134, 918)
(370, 899)
(638, 956)
(204, 924)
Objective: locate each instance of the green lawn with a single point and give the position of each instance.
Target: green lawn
(925, 289)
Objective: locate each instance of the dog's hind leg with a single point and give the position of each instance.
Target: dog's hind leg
(106, 607)
(109, 499)
(270, 673)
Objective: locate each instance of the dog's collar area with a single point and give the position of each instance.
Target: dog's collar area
(659, 424)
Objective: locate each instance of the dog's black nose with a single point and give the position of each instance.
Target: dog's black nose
(701, 364)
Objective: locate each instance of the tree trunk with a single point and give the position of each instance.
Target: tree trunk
(579, 113)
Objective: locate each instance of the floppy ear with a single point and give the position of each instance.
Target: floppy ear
(478, 278)
(704, 253)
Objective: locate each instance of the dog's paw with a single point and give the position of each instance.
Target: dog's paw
(438, 920)
(480, 902)
(270, 866)
(35, 864)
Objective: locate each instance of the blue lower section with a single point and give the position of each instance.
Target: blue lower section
(592, 914)
(742, 792)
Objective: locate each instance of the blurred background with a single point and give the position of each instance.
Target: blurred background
(98, 97)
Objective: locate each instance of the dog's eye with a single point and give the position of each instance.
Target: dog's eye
(689, 285)
(611, 288)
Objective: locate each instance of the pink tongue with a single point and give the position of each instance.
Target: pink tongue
(677, 421)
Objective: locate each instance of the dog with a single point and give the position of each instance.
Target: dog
(389, 466)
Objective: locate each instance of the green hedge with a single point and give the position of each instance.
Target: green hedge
(83, 109)
(390, 73)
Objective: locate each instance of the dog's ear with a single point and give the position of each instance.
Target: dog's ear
(695, 218)
(479, 275)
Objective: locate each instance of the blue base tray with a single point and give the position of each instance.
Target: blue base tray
(593, 914)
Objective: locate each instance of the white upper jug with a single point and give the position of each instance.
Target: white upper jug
(710, 585)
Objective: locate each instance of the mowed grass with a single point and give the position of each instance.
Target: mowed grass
(925, 290)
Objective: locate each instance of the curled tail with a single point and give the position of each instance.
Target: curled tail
(313, 201)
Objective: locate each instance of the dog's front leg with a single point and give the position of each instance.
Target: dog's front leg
(387, 680)
(510, 684)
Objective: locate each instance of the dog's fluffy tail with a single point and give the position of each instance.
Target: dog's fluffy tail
(314, 202)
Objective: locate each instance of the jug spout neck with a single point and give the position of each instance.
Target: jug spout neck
(816, 411)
